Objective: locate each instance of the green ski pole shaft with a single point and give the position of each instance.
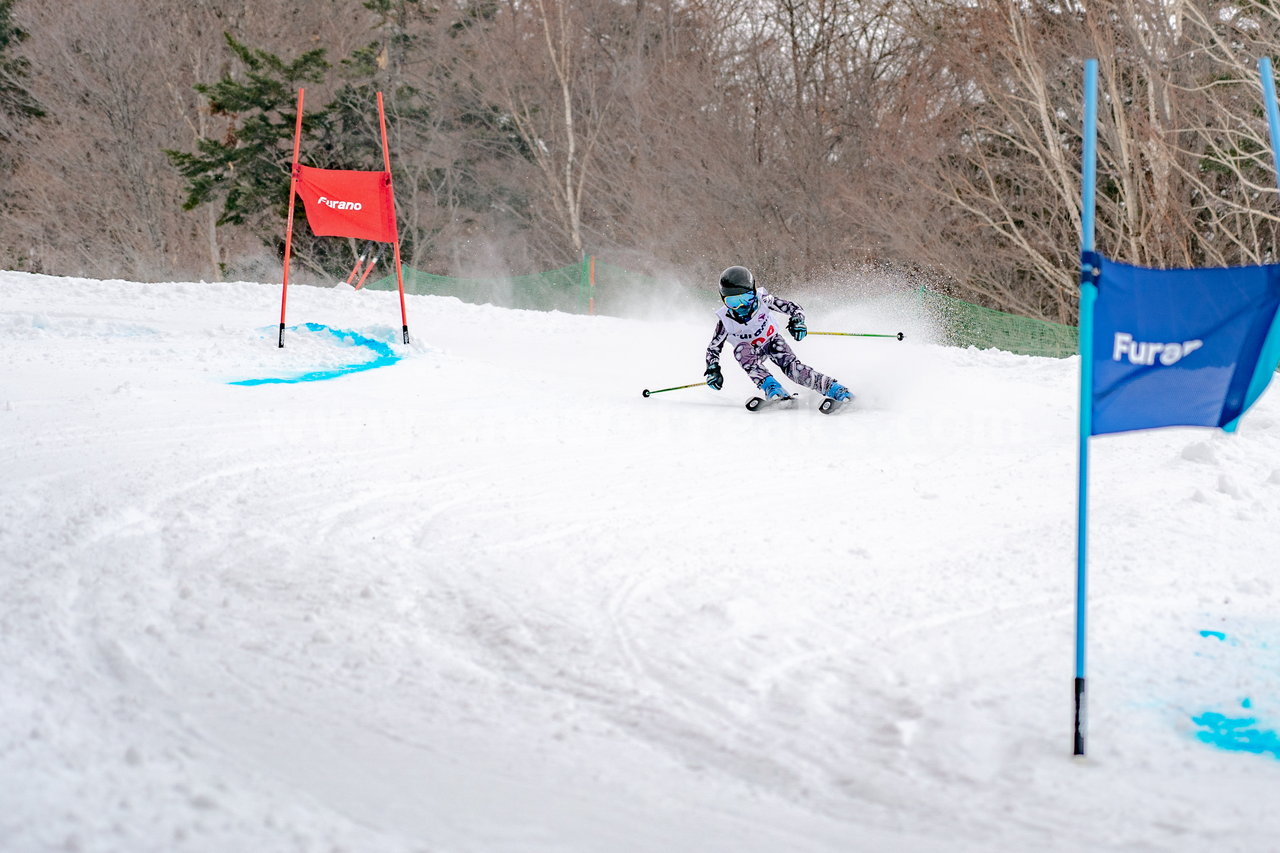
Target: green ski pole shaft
(898, 335)
(647, 392)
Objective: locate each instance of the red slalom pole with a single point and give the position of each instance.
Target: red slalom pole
(386, 160)
(288, 234)
(356, 268)
(372, 263)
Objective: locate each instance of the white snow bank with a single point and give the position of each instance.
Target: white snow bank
(490, 599)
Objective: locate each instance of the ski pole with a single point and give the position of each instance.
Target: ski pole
(647, 392)
(899, 335)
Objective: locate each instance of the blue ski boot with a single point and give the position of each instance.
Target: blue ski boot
(772, 389)
(839, 393)
(836, 397)
(771, 393)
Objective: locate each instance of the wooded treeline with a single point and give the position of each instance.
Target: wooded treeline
(799, 137)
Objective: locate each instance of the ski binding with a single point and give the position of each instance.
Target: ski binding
(756, 404)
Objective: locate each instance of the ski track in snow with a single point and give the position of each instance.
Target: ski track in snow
(488, 598)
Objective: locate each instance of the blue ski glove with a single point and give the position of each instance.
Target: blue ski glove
(714, 377)
(796, 327)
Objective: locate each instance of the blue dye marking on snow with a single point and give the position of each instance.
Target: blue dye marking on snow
(384, 353)
(1239, 734)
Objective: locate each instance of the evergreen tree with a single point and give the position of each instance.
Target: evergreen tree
(248, 167)
(16, 103)
(428, 111)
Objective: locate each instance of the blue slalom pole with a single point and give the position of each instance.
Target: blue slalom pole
(1089, 166)
(1269, 361)
(1088, 295)
(1269, 99)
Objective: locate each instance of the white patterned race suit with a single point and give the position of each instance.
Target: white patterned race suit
(757, 339)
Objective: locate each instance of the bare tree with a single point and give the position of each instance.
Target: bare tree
(992, 111)
(538, 66)
(796, 136)
(95, 194)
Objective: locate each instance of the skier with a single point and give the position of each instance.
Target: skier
(745, 320)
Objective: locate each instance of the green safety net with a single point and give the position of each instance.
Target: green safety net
(564, 289)
(616, 288)
(965, 324)
(594, 287)
(587, 287)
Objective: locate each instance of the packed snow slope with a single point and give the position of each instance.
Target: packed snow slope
(485, 597)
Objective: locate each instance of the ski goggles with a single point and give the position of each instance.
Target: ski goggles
(740, 301)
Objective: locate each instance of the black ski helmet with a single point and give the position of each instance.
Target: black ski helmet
(736, 280)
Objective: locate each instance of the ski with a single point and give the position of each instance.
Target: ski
(758, 404)
(830, 405)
